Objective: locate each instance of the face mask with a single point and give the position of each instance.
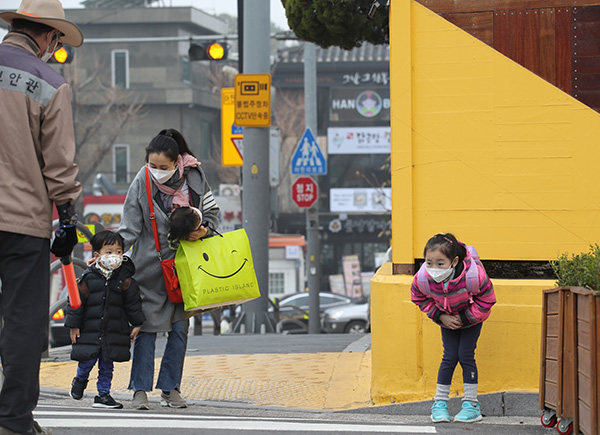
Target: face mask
(48, 54)
(162, 176)
(439, 275)
(108, 263)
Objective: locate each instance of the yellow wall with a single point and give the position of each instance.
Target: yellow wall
(407, 346)
(484, 148)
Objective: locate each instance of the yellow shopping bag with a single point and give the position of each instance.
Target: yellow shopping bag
(216, 271)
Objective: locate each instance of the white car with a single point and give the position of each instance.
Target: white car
(348, 318)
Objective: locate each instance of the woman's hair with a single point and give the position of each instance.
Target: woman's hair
(448, 245)
(183, 221)
(106, 237)
(181, 143)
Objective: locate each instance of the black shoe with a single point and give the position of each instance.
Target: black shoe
(106, 401)
(77, 388)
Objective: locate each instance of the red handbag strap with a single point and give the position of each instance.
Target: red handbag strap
(152, 215)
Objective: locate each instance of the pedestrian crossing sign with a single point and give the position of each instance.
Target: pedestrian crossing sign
(308, 158)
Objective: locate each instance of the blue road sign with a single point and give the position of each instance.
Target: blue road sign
(308, 158)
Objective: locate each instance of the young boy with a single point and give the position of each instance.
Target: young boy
(100, 327)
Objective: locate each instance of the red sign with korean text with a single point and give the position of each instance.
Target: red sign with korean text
(304, 192)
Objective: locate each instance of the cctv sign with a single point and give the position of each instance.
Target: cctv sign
(253, 100)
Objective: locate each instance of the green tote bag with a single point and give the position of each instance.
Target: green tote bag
(216, 271)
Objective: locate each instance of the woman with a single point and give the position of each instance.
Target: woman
(176, 181)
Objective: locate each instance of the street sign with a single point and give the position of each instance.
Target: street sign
(231, 136)
(305, 192)
(253, 100)
(308, 158)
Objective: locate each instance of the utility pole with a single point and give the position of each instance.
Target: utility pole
(255, 171)
(312, 214)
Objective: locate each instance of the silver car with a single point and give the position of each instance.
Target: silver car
(349, 318)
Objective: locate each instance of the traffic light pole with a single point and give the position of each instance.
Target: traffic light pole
(312, 214)
(256, 196)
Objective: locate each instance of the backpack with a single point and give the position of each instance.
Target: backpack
(472, 275)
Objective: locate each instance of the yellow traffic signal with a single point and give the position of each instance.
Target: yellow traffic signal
(63, 55)
(208, 51)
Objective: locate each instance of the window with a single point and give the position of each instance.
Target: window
(120, 68)
(205, 140)
(276, 283)
(121, 163)
(185, 69)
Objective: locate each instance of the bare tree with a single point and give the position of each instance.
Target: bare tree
(100, 114)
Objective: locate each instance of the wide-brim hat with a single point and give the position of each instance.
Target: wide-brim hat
(50, 13)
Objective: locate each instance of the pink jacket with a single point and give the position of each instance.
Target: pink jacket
(455, 299)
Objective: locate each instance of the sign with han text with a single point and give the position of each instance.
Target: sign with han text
(232, 136)
(253, 100)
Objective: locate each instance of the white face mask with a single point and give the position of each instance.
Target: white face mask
(439, 275)
(48, 54)
(108, 263)
(162, 176)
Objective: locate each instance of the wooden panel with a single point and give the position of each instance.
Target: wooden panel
(584, 362)
(547, 45)
(480, 25)
(453, 6)
(583, 334)
(586, 65)
(589, 98)
(550, 395)
(501, 32)
(551, 348)
(586, 14)
(516, 26)
(586, 47)
(553, 300)
(551, 371)
(583, 307)
(585, 418)
(563, 48)
(552, 326)
(586, 30)
(531, 41)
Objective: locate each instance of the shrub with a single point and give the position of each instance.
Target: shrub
(581, 270)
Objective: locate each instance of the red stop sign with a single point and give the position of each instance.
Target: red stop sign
(304, 192)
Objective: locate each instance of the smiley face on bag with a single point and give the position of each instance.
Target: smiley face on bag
(221, 269)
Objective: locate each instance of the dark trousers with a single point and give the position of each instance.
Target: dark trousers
(105, 372)
(459, 346)
(25, 275)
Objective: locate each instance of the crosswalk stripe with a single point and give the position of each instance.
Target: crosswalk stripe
(241, 424)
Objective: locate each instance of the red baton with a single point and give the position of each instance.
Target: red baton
(69, 273)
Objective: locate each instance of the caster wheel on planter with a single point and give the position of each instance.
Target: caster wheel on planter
(548, 418)
(565, 426)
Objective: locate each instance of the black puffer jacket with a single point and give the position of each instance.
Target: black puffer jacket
(108, 308)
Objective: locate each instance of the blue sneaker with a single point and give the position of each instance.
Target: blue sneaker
(469, 413)
(439, 411)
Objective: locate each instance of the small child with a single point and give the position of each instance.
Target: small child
(186, 224)
(460, 313)
(100, 327)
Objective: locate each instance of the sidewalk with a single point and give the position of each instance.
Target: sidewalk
(326, 372)
(316, 372)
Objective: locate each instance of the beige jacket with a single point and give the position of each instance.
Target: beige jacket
(37, 141)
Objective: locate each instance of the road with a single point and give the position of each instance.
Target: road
(67, 416)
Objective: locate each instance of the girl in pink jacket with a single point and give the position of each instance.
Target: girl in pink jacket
(454, 291)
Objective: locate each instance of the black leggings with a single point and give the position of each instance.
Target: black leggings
(459, 346)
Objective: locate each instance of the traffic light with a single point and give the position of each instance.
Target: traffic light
(208, 51)
(63, 55)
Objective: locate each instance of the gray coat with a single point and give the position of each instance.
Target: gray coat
(136, 229)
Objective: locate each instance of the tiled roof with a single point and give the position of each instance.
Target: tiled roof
(365, 53)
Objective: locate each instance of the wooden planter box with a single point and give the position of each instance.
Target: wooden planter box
(570, 357)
